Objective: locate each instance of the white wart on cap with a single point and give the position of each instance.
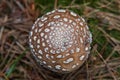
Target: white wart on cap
(60, 40)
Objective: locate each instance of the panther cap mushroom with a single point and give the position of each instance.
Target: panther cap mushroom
(60, 40)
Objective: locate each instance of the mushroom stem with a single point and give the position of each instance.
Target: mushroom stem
(55, 4)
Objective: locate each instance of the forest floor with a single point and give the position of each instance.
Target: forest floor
(17, 18)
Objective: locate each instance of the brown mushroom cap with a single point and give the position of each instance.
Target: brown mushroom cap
(60, 40)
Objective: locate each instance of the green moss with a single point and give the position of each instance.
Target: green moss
(115, 34)
(118, 69)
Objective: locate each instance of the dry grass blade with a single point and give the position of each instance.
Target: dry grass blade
(108, 67)
(1, 32)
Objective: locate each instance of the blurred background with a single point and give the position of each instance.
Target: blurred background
(17, 18)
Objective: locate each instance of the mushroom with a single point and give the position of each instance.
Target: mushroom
(60, 40)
